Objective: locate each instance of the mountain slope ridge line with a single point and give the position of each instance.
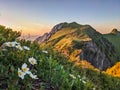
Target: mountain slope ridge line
(68, 38)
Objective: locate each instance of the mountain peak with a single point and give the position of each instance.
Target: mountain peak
(78, 28)
(115, 31)
(71, 25)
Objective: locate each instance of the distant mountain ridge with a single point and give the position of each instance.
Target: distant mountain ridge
(81, 42)
(115, 32)
(114, 38)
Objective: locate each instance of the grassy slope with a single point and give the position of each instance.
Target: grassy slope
(114, 70)
(63, 40)
(115, 40)
(62, 33)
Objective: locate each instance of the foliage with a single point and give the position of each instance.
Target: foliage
(6, 34)
(114, 39)
(53, 70)
(103, 81)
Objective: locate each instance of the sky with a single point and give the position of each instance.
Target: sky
(39, 16)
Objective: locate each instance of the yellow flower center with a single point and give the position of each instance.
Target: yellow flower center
(10, 44)
(19, 46)
(19, 73)
(32, 61)
(24, 69)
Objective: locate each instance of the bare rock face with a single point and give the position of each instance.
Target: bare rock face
(93, 54)
(46, 36)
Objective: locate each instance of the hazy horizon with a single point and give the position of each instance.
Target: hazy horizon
(38, 17)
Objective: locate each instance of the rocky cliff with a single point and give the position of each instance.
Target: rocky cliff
(46, 36)
(97, 56)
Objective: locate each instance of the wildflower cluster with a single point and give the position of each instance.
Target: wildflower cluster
(16, 45)
(24, 69)
(82, 79)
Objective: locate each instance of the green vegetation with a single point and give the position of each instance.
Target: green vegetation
(62, 33)
(103, 81)
(6, 34)
(114, 39)
(53, 70)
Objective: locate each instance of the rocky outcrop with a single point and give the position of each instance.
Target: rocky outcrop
(93, 54)
(115, 32)
(46, 36)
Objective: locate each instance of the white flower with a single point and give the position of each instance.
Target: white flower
(26, 48)
(45, 51)
(32, 60)
(84, 81)
(71, 75)
(16, 43)
(94, 88)
(84, 78)
(79, 76)
(33, 76)
(19, 47)
(25, 69)
(10, 44)
(21, 74)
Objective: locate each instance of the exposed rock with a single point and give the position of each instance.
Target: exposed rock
(93, 54)
(115, 32)
(46, 36)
